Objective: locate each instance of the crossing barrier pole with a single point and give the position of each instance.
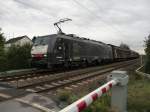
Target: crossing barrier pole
(117, 81)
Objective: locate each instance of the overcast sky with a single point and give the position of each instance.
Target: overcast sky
(110, 21)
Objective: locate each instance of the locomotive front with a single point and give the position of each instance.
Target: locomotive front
(42, 50)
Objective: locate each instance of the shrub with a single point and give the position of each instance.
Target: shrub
(64, 96)
(18, 56)
(2, 52)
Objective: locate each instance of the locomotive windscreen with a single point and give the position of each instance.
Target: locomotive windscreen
(41, 40)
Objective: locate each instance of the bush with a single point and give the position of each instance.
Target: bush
(3, 60)
(18, 56)
(64, 96)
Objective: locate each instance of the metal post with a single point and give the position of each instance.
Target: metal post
(141, 60)
(119, 92)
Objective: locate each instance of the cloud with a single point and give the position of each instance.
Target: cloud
(112, 21)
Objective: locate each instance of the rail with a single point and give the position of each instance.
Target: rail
(138, 71)
(117, 81)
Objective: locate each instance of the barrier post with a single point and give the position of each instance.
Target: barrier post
(119, 92)
(117, 81)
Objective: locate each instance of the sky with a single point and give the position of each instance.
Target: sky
(109, 21)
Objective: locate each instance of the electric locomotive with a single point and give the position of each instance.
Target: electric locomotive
(70, 50)
(67, 50)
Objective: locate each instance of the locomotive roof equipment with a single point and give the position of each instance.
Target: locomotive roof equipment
(59, 22)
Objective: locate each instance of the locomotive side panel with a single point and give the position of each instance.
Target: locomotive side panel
(91, 52)
(65, 50)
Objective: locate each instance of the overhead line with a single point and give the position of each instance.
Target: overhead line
(91, 12)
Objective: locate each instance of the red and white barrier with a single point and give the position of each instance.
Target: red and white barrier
(82, 103)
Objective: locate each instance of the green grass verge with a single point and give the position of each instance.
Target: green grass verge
(138, 96)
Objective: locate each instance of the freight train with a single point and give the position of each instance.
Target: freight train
(70, 50)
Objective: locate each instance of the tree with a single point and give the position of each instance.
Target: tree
(2, 52)
(2, 42)
(18, 56)
(147, 51)
(124, 46)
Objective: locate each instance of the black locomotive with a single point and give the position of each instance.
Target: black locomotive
(69, 50)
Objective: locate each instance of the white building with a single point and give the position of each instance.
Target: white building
(18, 41)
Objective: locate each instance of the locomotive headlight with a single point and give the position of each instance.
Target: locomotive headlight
(45, 55)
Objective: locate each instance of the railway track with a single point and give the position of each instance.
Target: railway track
(68, 78)
(26, 75)
(32, 74)
(36, 73)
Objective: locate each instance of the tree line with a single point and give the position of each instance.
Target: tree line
(16, 57)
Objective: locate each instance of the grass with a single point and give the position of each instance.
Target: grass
(138, 96)
(101, 105)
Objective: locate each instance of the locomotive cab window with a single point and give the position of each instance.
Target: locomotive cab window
(41, 41)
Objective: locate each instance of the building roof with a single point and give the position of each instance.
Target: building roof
(13, 40)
